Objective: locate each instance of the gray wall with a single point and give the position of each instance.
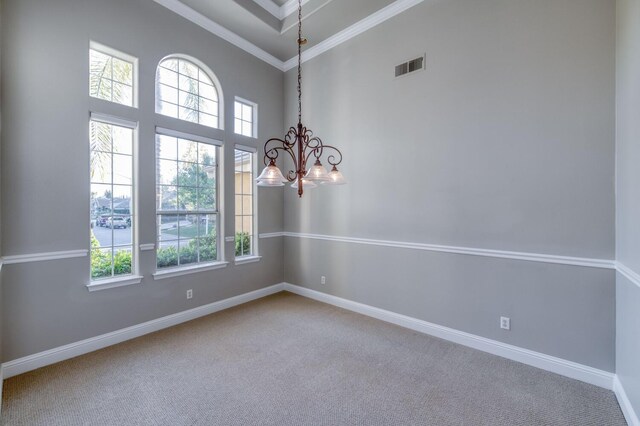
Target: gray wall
(45, 154)
(505, 142)
(628, 197)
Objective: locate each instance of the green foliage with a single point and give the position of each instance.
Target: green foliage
(197, 191)
(243, 244)
(208, 251)
(167, 256)
(101, 261)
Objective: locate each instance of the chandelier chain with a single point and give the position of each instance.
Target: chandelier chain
(299, 61)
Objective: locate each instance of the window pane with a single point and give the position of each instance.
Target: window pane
(188, 114)
(210, 107)
(188, 226)
(187, 84)
(187, 198)
(167, 94)
(208, 120)
(207, 225)
(167, 77)
(188, 250)
(104, 89)
(166, 147)
(100, 167)
(247, 129)
(122, 71)
(238, 126)
(100, 63)
(247, 112)
(101, 263)
(122, 261)
(188, 100)
(167, 254)
(166, 108)
(238, 110)
(167, 227)
(167, 173)
(206, 198)
(102, 232)
(209, 92)
(204, 78)
(122, 140)
(207, 154)
(122, 169)
(187, 150)
(167, 198)
(171, 64)
(188, 68)
(122, 94)
(187, 174)
(247, 204)
(238, 205)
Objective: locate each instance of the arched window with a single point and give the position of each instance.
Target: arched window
(186, 90)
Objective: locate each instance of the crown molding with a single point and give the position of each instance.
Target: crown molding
(358, 28)
(270, 6)
(279, 12)
(197, 18)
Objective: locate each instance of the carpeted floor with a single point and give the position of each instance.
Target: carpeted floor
(287, 360)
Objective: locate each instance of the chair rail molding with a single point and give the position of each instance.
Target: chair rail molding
(531, 257)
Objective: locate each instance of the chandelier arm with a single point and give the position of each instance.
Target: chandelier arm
(273, 154)
(331, 159)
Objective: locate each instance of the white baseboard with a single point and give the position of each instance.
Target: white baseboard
(546, 362)
(627, 409)
(51, 356)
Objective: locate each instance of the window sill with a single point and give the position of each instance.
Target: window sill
(114, 282)
(247, 259)
(176, 272)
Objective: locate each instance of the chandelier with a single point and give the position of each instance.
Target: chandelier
(301, 146)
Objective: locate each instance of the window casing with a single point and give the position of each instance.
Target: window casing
(186, 91)
(245, 201)
(112, 198)
(245, 118)
(187, 200)
(112, 75)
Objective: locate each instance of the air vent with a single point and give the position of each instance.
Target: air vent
(410, 66)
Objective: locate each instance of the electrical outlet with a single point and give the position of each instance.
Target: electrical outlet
(323, 280)
(505, 323)
(189, 294)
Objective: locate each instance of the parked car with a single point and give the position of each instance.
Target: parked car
(117, 222)
(102, 221)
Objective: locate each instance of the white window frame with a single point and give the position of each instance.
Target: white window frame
(210, 74)
(254, 117)
(134, 277)
(174, 271)
(255, 254)
(93, 45)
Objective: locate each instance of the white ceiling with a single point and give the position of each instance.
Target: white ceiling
(268, 28)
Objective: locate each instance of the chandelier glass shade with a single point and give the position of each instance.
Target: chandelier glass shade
(301, 146)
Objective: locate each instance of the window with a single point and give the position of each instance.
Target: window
(245, 114)
(112, 75)
(112, 206)
(187, 199)
(185, 91)
(245, 201)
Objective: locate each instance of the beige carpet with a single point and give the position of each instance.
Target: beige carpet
(287, 360)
